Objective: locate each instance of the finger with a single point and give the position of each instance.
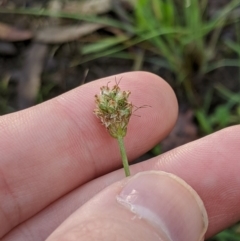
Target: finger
(148, 206)
(48, 150)
(210, 165)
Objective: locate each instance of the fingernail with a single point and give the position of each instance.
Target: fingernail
(167, 203)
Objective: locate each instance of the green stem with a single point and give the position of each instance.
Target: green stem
(124, 156)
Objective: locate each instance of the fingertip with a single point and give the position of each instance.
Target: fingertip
(156, 120)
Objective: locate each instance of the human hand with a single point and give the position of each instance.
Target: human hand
(56, 156)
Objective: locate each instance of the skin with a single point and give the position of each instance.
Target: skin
(56, 156)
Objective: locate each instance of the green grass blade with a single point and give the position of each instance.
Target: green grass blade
(95, 19)
(102, 45)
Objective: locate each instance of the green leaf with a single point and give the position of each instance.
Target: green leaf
(204, 121)
(102, 45)
(157, 150)
(221, 116)
(233, 46)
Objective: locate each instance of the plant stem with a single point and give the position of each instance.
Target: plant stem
(124, 156)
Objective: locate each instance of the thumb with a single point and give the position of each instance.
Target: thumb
(148, 206)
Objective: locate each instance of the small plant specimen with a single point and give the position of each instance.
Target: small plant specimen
(114, 110)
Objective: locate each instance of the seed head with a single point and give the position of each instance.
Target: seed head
(113, 109)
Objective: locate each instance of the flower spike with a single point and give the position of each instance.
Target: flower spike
(114, 110)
